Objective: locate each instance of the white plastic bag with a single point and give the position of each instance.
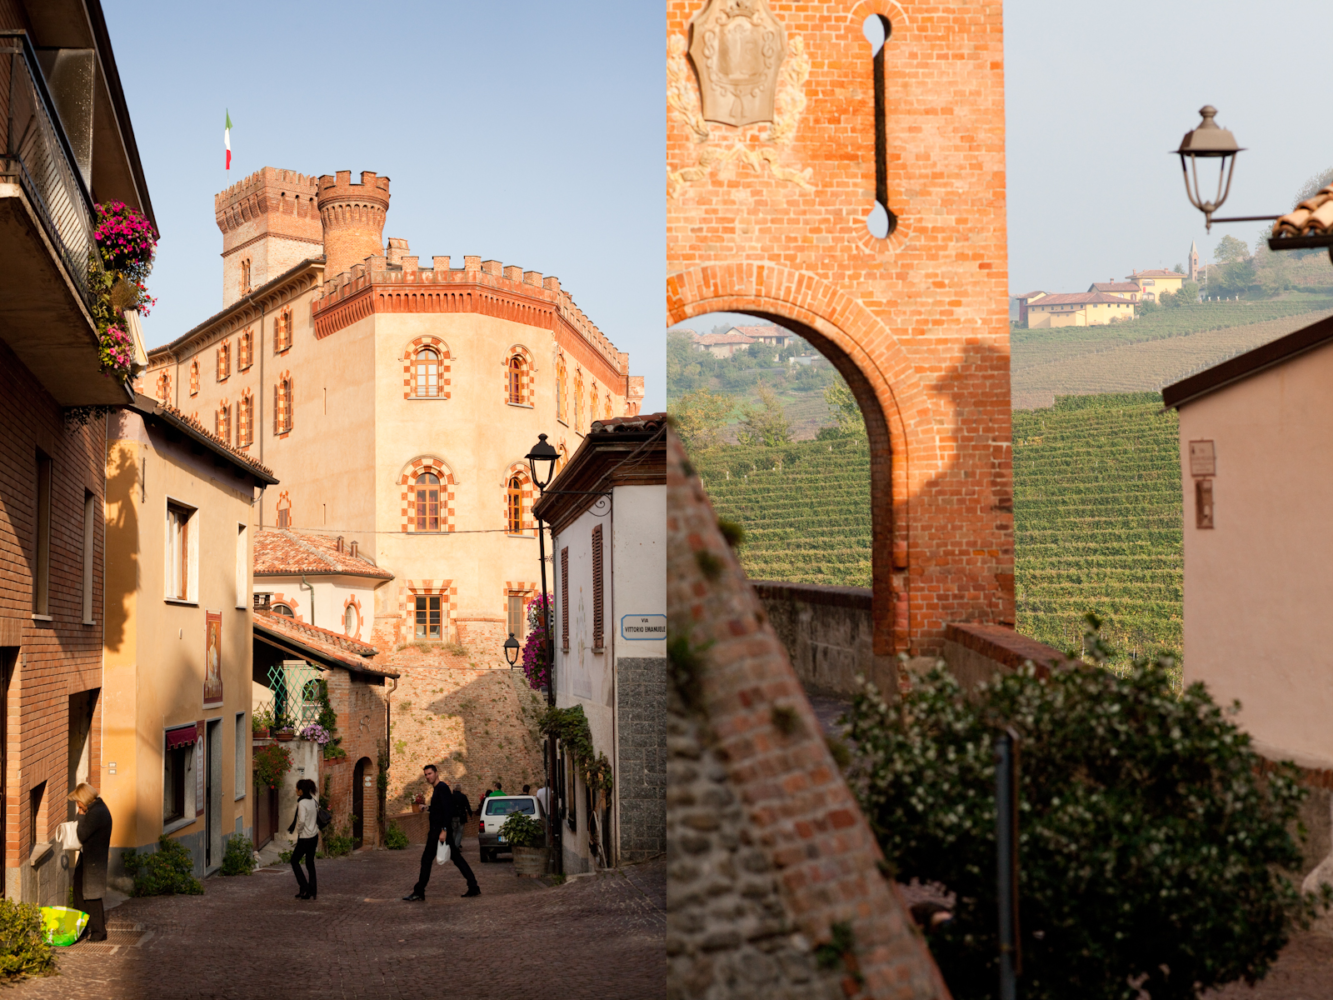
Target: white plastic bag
(442, 853)
(67, 836)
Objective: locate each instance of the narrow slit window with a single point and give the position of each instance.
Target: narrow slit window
(881, 222)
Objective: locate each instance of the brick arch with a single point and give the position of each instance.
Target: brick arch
(409, 359)
(905, 451)
(520, 469)
(529, 375)
(353, 601)
(407, 480)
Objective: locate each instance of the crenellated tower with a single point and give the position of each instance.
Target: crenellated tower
(353, 218)
(270, 223)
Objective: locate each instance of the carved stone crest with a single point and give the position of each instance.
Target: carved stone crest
(737, 47)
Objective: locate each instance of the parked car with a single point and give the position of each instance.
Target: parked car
(494, 811)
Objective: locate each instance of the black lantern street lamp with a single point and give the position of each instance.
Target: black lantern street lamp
(1209, 142)
(541, 460)
(511, 650)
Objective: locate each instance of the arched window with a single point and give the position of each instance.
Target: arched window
(349, 620)
(426, 502)
(282, 331)
(426, 373)
(514, 506)
(561, 392)
(245, 421)
(518, 377)
(608, 415)
(245, 350)
(245, 276)
(284, 510)
(282, 609)
(224, 423)
(164, 387)
(578, 400)
(282, 406)
(194, 378)
(224, 361)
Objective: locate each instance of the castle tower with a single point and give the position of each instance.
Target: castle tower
(353, 218)
(270, 223)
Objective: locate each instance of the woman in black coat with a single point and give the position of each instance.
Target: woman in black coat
(94, 832)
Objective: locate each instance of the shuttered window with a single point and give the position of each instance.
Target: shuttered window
(564, 599)
(598, 618)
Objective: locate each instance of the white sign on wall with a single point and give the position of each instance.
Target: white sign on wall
(643, 628)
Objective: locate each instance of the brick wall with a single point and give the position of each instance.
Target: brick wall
(62, 657)
(766, 801)
(361, 720)
(768, 219)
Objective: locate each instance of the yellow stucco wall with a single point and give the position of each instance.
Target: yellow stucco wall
(155, 648)
(1092, 314)
(1160, 285)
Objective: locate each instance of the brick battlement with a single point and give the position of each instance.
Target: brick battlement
(340, 186)
(269, 191)
(525, 296)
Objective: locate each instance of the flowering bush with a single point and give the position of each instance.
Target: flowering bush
(271, 763)
(126, 240)
(536, 666)
(315, 733)
(116, 352)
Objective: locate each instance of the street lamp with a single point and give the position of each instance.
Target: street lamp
(541, 459)
(511, 650)
(1209, 142)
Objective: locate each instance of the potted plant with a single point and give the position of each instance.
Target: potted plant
(283, 728)
(528, 840)
(261, 722)
(271, 762)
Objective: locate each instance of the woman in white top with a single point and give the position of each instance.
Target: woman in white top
(306, 828)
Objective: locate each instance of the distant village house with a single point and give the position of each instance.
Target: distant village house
(1078, 309)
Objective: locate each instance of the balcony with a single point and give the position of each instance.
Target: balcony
(46, 239)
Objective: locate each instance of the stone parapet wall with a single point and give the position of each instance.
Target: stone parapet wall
(828, 633)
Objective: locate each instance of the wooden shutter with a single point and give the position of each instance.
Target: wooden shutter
(598, 619)
(564, 599)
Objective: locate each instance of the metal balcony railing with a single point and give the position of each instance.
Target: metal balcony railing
(37, 154)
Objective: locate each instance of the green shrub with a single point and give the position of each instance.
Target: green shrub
(1151, 847)
(340, 844)
(23, 948)
(270, 763)
(168, 870)
(520, 830)
(394, 837)
(285, 857)
(239, 858)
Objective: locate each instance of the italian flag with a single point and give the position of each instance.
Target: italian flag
(226, 139)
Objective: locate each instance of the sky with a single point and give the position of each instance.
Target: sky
(1097, 94)
(530, 133)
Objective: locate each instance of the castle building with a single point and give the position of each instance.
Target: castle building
(394, 402)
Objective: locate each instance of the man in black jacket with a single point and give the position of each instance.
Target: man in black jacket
(441, 812)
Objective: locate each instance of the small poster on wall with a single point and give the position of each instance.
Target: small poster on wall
(213, 660)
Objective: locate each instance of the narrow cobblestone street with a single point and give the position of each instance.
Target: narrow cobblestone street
(593, 937)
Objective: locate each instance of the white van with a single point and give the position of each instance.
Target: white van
(494, 811)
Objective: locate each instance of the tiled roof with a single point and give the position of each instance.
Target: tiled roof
(1029, 295)
(1114, 286)
(1312, 217)
(324, 646)
(1159, 273)
(714, 339)
(149, 407)
(1075, 299)
(644, 421)
(760, 331)
(283, 552)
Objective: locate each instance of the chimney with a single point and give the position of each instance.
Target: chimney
(355, 546)
(339, 545)
(353, 218)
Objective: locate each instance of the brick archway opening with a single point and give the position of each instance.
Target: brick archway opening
(894, 409)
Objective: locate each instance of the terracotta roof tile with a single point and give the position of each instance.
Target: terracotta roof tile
(1312, 217)
(1029, 295)
(1158, 273)
(148, 406)
(328, 646)
(283, 552)
(1114, 286)
(644, 421)
(1077, 299)
(761, 331)
(713, 339)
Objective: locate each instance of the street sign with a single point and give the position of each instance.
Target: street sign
(643, 628)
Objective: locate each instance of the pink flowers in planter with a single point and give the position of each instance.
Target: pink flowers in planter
(126, 240)
(116, 352)
(536, 666)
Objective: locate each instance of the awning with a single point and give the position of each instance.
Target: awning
(184, 736)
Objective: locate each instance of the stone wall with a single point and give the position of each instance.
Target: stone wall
(828, 634)
(641, 690)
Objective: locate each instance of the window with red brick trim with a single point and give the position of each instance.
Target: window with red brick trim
(608, 406)
(245, 350)
(245, 276)
(282, 406)
(564, 599)
(164, 387)
(518, 377)
(223, 423)
(598, 618)
(514, 506)
(426, 502)
(284, 510)
(194, 378)
(561, 392)
(282, 331)
(426, 373)
(224, 361)
(578, 400)
(245, 421)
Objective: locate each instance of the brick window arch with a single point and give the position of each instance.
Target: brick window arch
(519, 377)
(561, 390)
(426, 369)
(284, 509)
(164, 387)
(245, 420)
(425, 607)
(224, 361)
(428, 496)
(245, 350)
(194, 378)
(282, 331)
(222, 421)
(518, 500)
(578, 399)
(282, 404)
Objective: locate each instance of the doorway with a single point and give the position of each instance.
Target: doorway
(213, 795)
(359, 801)
(80, 758)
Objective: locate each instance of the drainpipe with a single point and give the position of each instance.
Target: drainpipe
(388, 758)
(306, 586)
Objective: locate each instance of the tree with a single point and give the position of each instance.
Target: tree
(1230, 250)
(1188, 294)
(1152, 848)
(767, 426)
(1178, 269)
(762, 354)
(698, 416)
(845, 410)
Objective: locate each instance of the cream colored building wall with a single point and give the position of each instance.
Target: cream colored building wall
(332, 595)
(269, 257)
(1259, 585)
(1092, 314)
(155, 648)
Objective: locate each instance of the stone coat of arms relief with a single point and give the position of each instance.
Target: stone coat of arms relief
(737, 69)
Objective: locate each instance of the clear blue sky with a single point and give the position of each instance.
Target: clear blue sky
(1097, 93)
(531, 133)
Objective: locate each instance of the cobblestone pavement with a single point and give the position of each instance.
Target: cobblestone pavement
(600, 936)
